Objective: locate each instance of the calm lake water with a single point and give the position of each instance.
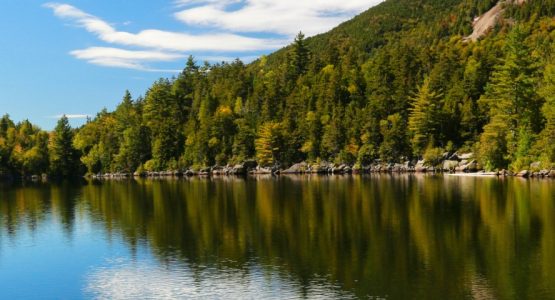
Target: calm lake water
(376, 237)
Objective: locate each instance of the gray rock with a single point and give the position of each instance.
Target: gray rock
(250, 164)
(495, 173)
(472, 166)
(217, 170)
(296, 169)
(261, 170)
(523, 173)
(450, 165)
(239, 169)
(454, 157)
(421, 166)
(339, 169)
(466, 156)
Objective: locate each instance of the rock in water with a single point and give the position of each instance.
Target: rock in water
(523, 173)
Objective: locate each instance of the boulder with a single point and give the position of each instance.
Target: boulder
(396, 168)
(466, 156)
(450, 165)
(250, 164)
(551, 174)
(261, 170)
(454, 157)
(239, 169)
(139, 174)
(523, 173)
(296, 169)
(494, 173)
(472, 166)
(319, 168)
(544, 173)
(339, 169)
(420, 166)
(217, 170)
(535, 165)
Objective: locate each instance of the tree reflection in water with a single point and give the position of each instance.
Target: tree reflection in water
(396, 236)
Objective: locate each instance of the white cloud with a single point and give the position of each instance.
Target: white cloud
(224, 23)
(218, 59)
(114, 57)
(70, 116)
(286, 17)
(181, 3)
(162, 40)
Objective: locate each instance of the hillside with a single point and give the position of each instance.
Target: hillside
(397, 83)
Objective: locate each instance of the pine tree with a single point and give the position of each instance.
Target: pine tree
(162, 117)
(514, 106)
(395, 139)
(300, 54)
(269, 144)
(64, 161)
(424, 118)
(546, 142)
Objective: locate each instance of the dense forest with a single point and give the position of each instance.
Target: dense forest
(398, 82)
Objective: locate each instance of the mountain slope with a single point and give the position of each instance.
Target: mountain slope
(398, 82)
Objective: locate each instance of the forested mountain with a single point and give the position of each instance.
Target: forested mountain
(398, 82)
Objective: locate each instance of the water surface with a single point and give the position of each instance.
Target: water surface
(377, 237)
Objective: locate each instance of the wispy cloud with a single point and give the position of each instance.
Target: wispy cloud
(70, 116)
(218, 59)
(115, 57)
(223, 26)
(162, 40)
(285, 17)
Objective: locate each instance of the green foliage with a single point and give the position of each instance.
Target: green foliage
(394, 134)
(433, 156)
(64, 158)
(545, 147)
(514, 106)
(269, 143)
(424, 118)
(396, 82)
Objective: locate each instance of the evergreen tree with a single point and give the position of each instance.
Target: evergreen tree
(546, 143)
(162, 117)
(394, 143)
(269, 143)
(64, 159)
(300, 55)
(424, 118)
(514, 106)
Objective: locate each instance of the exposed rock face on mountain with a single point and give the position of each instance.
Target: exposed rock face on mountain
(484, 23)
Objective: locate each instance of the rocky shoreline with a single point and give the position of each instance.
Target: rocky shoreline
(463, 164)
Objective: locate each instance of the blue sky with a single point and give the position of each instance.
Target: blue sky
(77, 57)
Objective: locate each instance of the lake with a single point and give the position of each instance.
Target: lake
(289, 237)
